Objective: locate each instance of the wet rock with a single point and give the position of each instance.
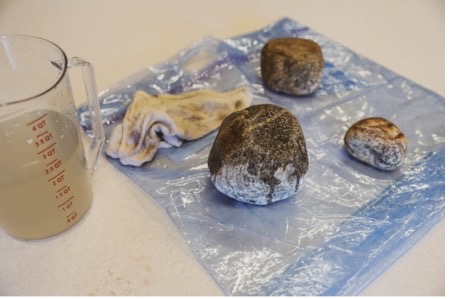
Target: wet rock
(378, 142)
(259, 155)
(291, 65)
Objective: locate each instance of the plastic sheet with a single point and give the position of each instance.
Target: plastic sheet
(348, 223)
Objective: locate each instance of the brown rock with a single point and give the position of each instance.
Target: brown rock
(259, 155)
(291, 65)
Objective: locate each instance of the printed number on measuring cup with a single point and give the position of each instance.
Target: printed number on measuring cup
(71, 217)
(40, 124)
(48, 152)
(57, 178)
(43, 138)
(63, 191)
(53, 165)
(67, 205)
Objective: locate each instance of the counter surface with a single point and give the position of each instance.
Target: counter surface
(127, 244)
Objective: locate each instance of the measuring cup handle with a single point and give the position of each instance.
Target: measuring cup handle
(98, 139)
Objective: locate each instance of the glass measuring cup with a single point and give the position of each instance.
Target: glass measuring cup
(45, 183)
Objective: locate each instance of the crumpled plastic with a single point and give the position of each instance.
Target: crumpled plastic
(348, 223)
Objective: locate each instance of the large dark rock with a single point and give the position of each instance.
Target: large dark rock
(259, 155)
(291, 65)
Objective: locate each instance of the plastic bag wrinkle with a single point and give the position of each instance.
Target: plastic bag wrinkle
(348, 223)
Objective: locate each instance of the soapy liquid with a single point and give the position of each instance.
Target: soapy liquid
(44, 184)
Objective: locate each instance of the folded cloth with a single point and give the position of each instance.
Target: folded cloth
(161, 121)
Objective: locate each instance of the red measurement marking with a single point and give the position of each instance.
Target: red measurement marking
(61, 189)
(37, 119)
(46, 149)
(70, 215)
(52, 162)
(56, 176)
(67, 202)
(40, 135)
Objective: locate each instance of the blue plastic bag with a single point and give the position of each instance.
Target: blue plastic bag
(349, 222)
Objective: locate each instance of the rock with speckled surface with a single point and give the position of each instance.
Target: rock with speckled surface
(291, 65)
(259, 155)
(377, 142)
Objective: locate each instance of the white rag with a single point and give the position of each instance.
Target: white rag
(161, 121)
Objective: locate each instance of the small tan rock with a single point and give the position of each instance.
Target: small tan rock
(378, 142)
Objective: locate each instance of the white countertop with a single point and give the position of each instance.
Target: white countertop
(127, 244)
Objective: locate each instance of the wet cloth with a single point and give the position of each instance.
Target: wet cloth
(162, 121)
